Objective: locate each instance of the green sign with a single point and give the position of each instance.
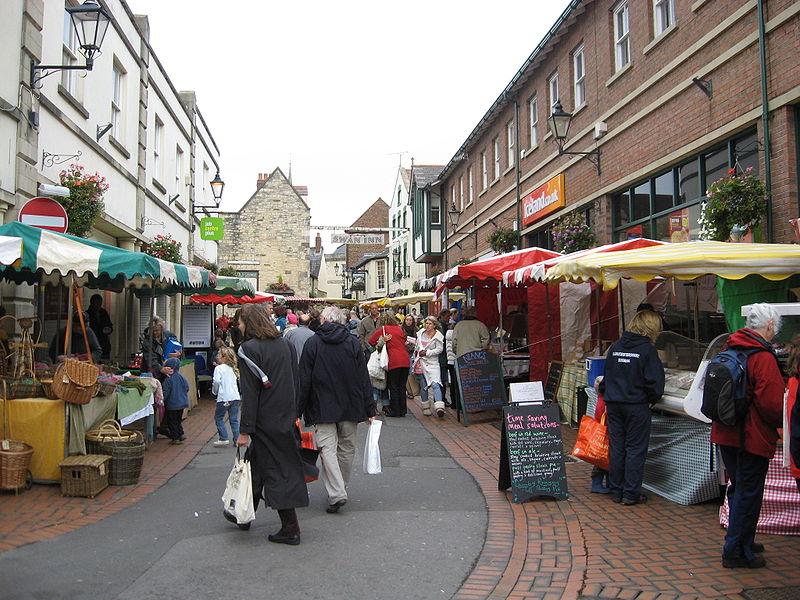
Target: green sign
(211, 228)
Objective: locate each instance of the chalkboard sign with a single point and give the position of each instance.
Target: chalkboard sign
(480, 381)
(553, 379)
(534, 451)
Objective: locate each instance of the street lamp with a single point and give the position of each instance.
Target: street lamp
(217, 185)
(90, 22)
(453, 214)
(558, 123)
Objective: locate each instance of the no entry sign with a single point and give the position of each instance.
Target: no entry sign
(44, 213)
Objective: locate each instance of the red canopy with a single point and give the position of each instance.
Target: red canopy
(492, 268)
(216, 299)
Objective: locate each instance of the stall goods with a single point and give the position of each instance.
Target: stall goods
(84, 476)
(127, 456)
(110, 431)
(75, 381)
(15, 458)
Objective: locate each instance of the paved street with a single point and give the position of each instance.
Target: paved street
(433, 525)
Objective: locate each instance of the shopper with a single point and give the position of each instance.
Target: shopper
(267, 425)
(746, 463)
(410, 329)
(470, 335)
(632, 382)
(225, 386)
(394, 337)
(154, 346)
(366, 327)
(425, 365)
(176, 399)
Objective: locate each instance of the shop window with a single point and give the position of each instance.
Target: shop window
(664, 197)
(688, 182)
(622, 209)
(745, 152)
(641, 201)
(715, 166)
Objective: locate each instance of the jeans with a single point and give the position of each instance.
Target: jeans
(628, 437)
(233, 419)
(423, 384)
(747, 473)
(381, 396)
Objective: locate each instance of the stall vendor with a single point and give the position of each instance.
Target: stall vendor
(77, 342)
(153, 356)
(100, 322)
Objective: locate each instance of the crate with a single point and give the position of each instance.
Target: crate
(84, 475)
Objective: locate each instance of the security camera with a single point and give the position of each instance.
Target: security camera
(53, 190)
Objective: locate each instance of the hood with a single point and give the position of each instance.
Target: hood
(333, 333)
(630, 340)
(747, 338)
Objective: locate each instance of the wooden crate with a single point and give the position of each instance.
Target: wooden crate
(84, 475)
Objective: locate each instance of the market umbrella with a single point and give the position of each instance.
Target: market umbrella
(418, 297)
(10, 250)
(231, 299)
(685, 260)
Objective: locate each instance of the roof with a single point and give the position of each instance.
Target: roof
(338, 254)
(424, 175)
(405, 174)
(371, 256)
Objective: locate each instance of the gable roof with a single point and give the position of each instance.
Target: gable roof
(424, 175)
(371, 256)
(286, 181)
(371, 206)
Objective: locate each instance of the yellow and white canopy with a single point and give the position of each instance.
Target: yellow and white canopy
(409, 299)
(687, 260)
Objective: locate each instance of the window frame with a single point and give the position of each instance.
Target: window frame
(510, 144)
(470, 186)
(579, 76)
(484, 170)
(461, 192)
(117, 101)
(158, 145)
(69, 56)
(662, 9)
(533, 116)
(552, 90)
(380, 274)
(496, 146)
(622, 41)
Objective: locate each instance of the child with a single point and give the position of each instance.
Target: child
(225, 387)
(176, 398)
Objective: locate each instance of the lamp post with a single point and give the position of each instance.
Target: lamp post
(217, 186)
(90, 22)
(558, 123)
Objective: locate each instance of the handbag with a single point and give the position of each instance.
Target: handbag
(237, 500)
(592, 443)
(376, 371)
(308, 453)
(384, 354)
(372, 452)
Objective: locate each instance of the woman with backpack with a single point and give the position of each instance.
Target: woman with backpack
(746, 448)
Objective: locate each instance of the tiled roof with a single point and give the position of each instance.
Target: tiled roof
(370, 256)
(424, 175)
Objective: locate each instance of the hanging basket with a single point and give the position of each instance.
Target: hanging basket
(75, 381)
(15, 459)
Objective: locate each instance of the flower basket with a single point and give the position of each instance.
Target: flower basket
(503, 240)
(572, 233)
(165, 248)
(736, 203)
(85, 201)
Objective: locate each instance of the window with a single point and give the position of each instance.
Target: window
(436, 210)
(496, 144)
(579, 76)
(664, 14)
(622, 44)
(453, 195)
(533, 113)
(510, 138)
(484, 171)
(461, 193)
(69, 55)
(158, 140)
(381, 274)
(552, 86)
(471, 192)
(178, 168)
(117, 100)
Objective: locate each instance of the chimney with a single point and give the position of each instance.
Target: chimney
(318, 244)
(262, 179)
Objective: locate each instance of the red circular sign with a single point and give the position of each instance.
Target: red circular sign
(44, 213)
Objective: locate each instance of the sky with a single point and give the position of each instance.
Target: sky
(344, 91)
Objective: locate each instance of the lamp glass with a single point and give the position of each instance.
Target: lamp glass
(217, 185)
(90, 21)
(558, 122)
(453, 214)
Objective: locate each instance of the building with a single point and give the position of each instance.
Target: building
(267, 239)
(369, 277)
(404, 269)
(665, 97)
(428, 210)
(123, 119)
(333, 274)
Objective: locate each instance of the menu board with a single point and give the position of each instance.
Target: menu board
(480, 381)
(197, 326)
(535, 451)
(553, 379)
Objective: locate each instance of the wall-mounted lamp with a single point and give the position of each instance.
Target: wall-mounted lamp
(48, 160)
(102, 130)
(558, 122)
(217, 186)
(453, 215)
(705, 85)
(90, 22)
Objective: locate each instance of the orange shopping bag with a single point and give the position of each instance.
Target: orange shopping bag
(592, 442)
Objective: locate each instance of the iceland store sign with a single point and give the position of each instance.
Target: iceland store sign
(543, 200)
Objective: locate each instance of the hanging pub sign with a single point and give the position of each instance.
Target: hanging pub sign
(211, 228)
(543, 200)
(359, 281)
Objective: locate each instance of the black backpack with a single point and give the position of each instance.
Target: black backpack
(725, 398)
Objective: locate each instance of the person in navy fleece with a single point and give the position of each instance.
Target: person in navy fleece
(176, 398)
(632, 382)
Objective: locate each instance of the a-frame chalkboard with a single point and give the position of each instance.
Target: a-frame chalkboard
(553, 380)
(480, 382)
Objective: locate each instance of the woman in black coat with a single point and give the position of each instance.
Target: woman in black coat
(267, 422)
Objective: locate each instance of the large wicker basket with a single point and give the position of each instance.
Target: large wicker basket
(15, 458)
(84, 476)
(75, 381)
(126, 455)
(110, 431)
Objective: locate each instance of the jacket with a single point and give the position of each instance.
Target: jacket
(633, 372)
(793, 413)
(765, 387)
(334, 382)
(430, 362)
(176, 392)
(469, 335)
(366, 327)
(398, 355)
(448, 344)
(224, 385)
(153, 358)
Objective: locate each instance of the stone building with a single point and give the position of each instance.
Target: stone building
(267, 238)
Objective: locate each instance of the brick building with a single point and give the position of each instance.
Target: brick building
(377, 215)
(268, 237)
(670, 92)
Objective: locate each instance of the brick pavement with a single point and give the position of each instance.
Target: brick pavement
(537, 550)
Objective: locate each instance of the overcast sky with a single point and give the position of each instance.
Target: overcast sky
(344, 90)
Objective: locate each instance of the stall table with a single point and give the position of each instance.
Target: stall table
(42, 424)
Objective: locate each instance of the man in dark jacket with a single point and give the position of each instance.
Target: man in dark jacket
(747, 466)
(335, 395)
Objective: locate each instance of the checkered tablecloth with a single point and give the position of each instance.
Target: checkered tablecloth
(780, 512)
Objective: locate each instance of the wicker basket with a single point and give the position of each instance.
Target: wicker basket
(47, 388)
(84, 476)
(75, 381)
(15, 458)
(22, 388)
(127, 457)
(106, 389)
(110, 431)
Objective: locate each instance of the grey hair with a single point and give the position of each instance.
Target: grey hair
(761, 314)
(333, 314)
(156, 320)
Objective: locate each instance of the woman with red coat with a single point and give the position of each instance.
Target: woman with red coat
(747, 466)
(793, 409)
(394, 337)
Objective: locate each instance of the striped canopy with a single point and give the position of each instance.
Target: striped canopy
(409, 299)
(687, 260)
(49, 256)
(10, 250)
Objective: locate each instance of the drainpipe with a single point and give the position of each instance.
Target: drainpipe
(517, 160)
(762, 50)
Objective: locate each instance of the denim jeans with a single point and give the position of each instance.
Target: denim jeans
(437, 389)
(381, 396)
(233, 419)
(628, 438)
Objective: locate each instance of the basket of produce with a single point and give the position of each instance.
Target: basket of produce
(109, 430)
(75, 381)
(127, 456)
(15, 459)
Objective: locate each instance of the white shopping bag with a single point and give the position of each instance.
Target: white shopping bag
(238, 497)
(372, 452)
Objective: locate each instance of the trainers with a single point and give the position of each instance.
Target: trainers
(221, 443)
(757, 548)
(334, 508)
(175, 442)
(743, 563)
(631, 501)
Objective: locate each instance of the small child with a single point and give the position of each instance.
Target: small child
(176, 398)
(226, 389)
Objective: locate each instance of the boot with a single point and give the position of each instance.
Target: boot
(439, 408)
(597, 484)
(426, 407)
(289, 532)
